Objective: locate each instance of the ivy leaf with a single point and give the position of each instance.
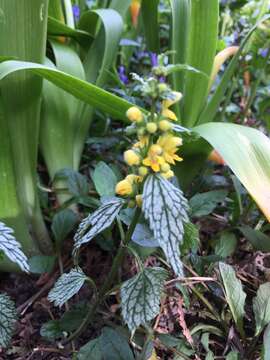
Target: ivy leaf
(232, 356)
(100, 220)
(143, 236)
(191, 238)
(67, 286)
(12, 248)
(165, 208)
(8, 317)
(104, 179)
(234, 293)
(140, 296)
(91, 350)
(76, 182)
(63, 223)
(261, 307)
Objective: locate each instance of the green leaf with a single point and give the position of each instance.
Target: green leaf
(203, 204)
(212, 106)
(100, 220)
(149, 11)
(140, 297)
(247, 152)
(201, 51)
(120, 6)
(261, 307)
(143, 236)
(104, 179)
(89, 93)
(8, 317)
(233, 355)
(165, 207)
(77, 183)
(234, 294)
(191, 238)
(226, 245)
(114, 345)
(210, 356)
(57, 28)
(179, 38)
(51, 330)
(266, 343)
(91, 350)
(63, 223)
(259, 240)
(12, 248)
(67, 286)
(41, 264)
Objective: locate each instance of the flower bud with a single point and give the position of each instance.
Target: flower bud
(165, 168)
(165, 125)
(162, 87)
(143, 171)
(134, 114)
(132, 158)
(124, 188)
(169, 174)
(139, 200)
(151, 127)
(132, 178)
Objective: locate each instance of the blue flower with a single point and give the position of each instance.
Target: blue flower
(263, 52)
(154, 59)
(122, 74)
(76, 12)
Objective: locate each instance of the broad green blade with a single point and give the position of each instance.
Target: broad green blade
(89, 93)
(21, 93)
(179, 38)
(120, 6)
(55, 10)
(57, 28)
(149, 10)
(247, 152)
(202, 42)
(211, 108)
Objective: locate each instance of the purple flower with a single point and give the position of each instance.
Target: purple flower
(76, 12)
(154, 59)
(122, 74)
(263, 52)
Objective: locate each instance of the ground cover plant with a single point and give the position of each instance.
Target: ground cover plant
(135, 179)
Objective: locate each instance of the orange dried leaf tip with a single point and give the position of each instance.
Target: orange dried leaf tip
(216, 158)
(135, 12)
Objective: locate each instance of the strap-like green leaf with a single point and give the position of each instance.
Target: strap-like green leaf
(149, 9)
(202, 42)
(90, 94)
(247, 152)
(140, 297)
(261, 307)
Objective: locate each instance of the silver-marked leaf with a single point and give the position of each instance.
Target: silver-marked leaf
(165, 207)
(67, 286)
(140, 296)
(12, 248)
(261, 307)
(234, 293)
(8, 317)
(100, 220)
(266, 344)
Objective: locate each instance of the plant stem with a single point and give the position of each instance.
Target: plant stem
(109, 282)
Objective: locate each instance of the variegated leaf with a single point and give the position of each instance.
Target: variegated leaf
(8, 317)
(140, 296)
(67, 286)
(165, 207)
(12, 248)
(100, 220)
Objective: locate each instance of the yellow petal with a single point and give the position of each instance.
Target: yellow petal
(169, 102)
(169, 114)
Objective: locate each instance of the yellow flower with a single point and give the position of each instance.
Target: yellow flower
(134, 114)
(170, 144)
(143, 171)
(153, 159)
(133, 178)
(166, 112)
(124, 188)
(132, 158)
(165, 168)
(142, 143)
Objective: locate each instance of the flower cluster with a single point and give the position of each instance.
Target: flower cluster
(157, 144)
